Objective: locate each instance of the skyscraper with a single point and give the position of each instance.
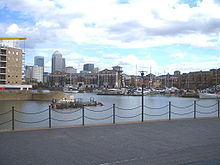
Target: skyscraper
(39, 61)
(57, 62)
(63, 65)
(88, 67)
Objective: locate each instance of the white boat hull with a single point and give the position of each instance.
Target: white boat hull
(209, 95)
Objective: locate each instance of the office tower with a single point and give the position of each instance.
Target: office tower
(34, 72)
(57, 62)
(39, 61)
(10, 65)
(70, 69)
(37, 73)
(88, 67)
(63, 65)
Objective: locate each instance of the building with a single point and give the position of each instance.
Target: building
(58, 63)
(39, 61)
(37, 73)
(10, 65)
(63, 65)
(88, 67)
(110, 78)
(70, 70)
(34, 73)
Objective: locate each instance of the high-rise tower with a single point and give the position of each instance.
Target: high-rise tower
(39, 61)
(57, 62)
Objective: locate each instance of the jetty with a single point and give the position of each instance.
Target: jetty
(73, 103)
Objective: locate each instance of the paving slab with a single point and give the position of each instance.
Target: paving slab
(183, 142)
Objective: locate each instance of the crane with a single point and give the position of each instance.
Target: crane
(14, 38)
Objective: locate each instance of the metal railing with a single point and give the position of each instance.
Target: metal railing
(169, 112)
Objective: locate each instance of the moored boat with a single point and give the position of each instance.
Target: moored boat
(209, 95)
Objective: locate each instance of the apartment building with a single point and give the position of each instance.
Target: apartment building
(10, 66)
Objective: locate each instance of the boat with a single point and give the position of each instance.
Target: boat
(209, 95)
(70, 89)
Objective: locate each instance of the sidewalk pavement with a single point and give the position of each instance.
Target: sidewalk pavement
(183, 142)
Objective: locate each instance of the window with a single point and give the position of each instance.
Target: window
(16, 53)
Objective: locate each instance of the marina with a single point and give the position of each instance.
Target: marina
(123, 108)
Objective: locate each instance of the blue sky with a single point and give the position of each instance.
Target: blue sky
(162, 35)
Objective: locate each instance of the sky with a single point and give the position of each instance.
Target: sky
(158, 36)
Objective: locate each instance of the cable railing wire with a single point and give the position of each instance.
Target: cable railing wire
(104, 110)
(4, 113)
(156, 107)
(31, 122)
(67, 112)
(127, 109)
(5, 122)
(156, 114)
(66, 120)
(31, 113)
(187, 113)
(203, 106)
(182, 107)
(128, 117)
(90, 118)
(206, 112)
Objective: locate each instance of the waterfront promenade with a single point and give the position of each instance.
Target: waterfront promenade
(185, 142)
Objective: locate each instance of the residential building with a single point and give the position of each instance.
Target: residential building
(10, 65)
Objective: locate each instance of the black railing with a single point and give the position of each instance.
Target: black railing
(114, 115)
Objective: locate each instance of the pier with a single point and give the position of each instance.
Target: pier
(186, 142)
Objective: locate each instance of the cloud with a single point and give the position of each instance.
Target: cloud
(110, 56)
(12, 29)
(177, 56)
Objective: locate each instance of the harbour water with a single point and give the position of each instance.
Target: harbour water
(127, 108)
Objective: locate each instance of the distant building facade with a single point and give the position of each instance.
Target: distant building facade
(58, 63)
(39, 61)
(34, 73)
(70, 70)
(88, 67)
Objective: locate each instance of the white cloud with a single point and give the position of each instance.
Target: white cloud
(12, 29)
(177, 56)
(140, 23)
(110, 56)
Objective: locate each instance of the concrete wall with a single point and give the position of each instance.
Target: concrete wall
(28, 95)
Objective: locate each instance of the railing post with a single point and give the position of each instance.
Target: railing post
(113, 113)
(49, 116)
(218, 108)
(169, 110)
(195, 109)
(142, 104)
(83, 116)
(13, 118)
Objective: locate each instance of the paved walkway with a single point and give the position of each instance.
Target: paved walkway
(184, 142)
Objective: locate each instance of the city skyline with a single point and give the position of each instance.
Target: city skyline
(161, 36)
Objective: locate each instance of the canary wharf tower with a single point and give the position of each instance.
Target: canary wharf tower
(58, 63)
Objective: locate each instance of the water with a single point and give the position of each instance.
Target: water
(128, 108)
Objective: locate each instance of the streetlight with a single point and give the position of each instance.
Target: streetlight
(142, 95)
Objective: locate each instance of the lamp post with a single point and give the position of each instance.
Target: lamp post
(142, 96)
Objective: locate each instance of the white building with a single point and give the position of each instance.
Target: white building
(34, 72)
(37, 73)
(70, 70)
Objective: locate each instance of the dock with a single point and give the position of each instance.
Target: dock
(185, 142)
